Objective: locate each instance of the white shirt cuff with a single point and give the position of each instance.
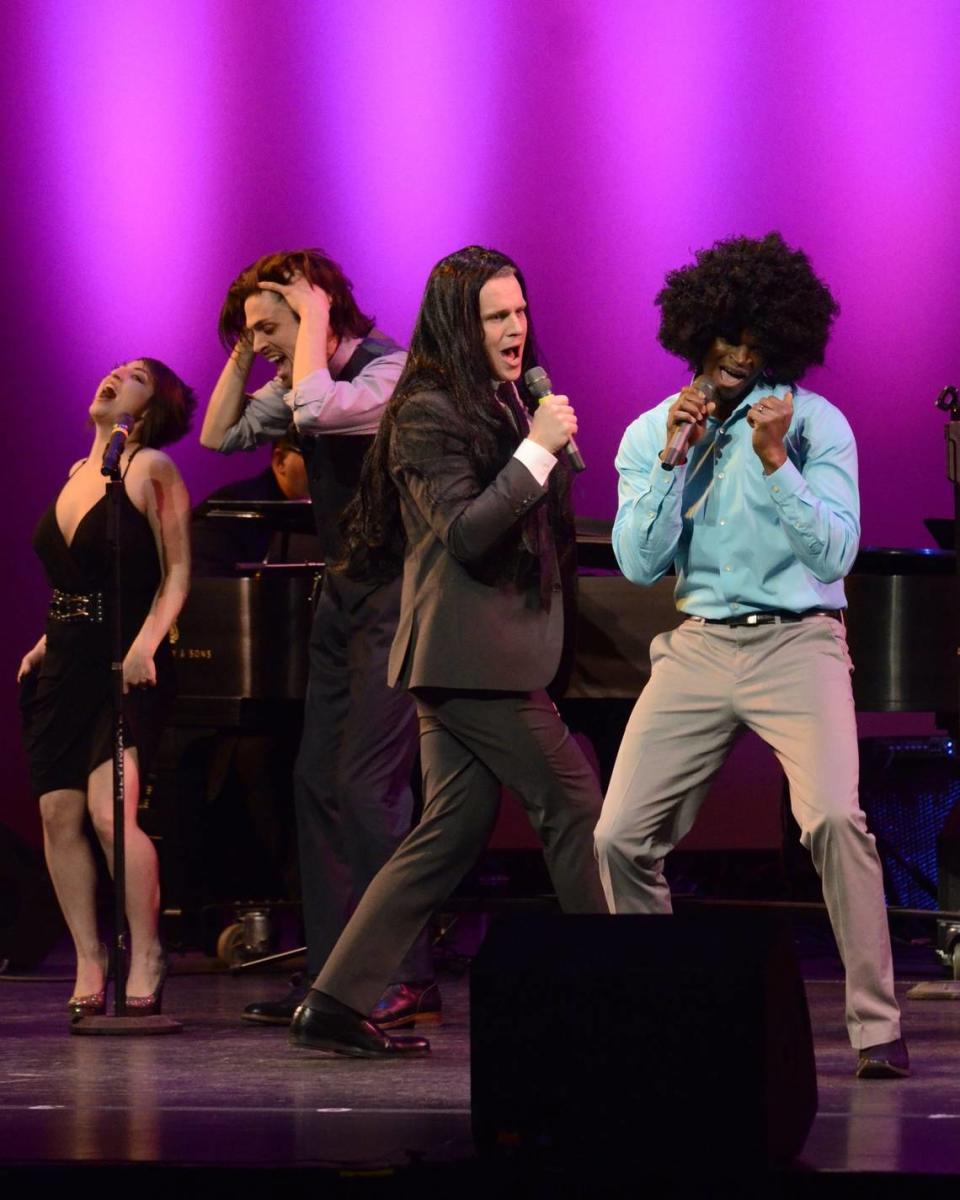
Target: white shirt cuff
(539, 462)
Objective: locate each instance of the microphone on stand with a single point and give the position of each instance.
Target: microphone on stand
(539, 385)
(118, 439)
(677, 448)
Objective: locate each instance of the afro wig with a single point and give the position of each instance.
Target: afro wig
(755, 285)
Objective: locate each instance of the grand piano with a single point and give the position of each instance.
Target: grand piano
(240, 642)
(240, 646)
(902, 638)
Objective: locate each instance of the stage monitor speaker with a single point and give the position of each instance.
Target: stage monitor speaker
(30, 921)
(948, 862)
(650, 1044)
(909, 786)
(908, 789)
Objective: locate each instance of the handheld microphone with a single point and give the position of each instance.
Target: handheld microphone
(676, 450)
(539, 385)
(118, 439)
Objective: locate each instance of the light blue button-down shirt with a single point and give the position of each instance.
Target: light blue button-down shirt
(742, 541)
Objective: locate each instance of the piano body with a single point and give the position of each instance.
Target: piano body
(240, 643)
(900, 627)
(241, 646)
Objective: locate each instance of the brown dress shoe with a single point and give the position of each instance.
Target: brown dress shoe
(406, 1004)
(888, 1060)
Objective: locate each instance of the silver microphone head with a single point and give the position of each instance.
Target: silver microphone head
(703, 383)
(538, 383)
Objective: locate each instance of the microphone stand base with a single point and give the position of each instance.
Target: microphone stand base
(125, 1026)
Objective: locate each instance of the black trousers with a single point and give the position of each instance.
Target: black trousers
(352, 780)
(471, 744)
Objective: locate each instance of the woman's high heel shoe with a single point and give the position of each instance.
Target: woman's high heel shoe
(94, 1004)
(152, 1005)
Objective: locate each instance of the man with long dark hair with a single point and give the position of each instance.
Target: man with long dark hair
(469, 490)
(352, 783)
(762, 521)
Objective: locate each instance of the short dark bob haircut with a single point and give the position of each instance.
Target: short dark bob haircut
(169, 410)
(759, 286)
(346, 319)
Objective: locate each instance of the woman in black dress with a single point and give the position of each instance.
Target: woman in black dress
(65, 678)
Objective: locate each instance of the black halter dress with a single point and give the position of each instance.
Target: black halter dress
(65, 705)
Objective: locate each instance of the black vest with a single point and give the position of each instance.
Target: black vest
(333, 460)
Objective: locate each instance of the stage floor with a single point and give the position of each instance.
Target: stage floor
(227, 1094)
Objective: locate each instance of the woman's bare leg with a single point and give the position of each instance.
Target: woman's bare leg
(142, 874)
(73, 871)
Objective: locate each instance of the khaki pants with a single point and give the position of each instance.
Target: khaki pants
(789, 683)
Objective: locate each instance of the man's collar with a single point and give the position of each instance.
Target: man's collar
(741, 405)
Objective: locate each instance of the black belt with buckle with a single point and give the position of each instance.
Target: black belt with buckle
(772, 616)
(71, 608)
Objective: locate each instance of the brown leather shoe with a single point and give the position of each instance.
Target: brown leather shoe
(406, 1004)
(888, 1060)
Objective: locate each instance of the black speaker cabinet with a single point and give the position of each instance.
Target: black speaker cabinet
(30, 921)
(641, 1043)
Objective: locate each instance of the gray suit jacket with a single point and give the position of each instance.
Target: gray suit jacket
(463, 624)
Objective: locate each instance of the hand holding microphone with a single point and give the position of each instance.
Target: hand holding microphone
(686, 418)
(554, 422)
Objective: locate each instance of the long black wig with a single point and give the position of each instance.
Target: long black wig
(446, 354)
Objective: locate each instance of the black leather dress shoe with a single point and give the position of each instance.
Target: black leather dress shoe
(345, 1032)
(889, 1060)
(405, 1004)
(277, 1012)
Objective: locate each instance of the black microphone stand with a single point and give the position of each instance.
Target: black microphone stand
(949, 401)
(120, 1022)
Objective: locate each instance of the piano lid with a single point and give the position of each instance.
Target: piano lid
(285, 516)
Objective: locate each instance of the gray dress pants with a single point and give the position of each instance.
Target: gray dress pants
(790, 683)
(470, 745)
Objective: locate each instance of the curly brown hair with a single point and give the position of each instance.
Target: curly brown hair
(319, 270)
(749, 284)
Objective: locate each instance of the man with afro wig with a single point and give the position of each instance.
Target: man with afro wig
(746, 484)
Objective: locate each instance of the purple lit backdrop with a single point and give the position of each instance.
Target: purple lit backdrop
(152, 150)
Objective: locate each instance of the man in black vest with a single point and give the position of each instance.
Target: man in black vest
(352, 782)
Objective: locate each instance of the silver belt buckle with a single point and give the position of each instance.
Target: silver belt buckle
(752, 619)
